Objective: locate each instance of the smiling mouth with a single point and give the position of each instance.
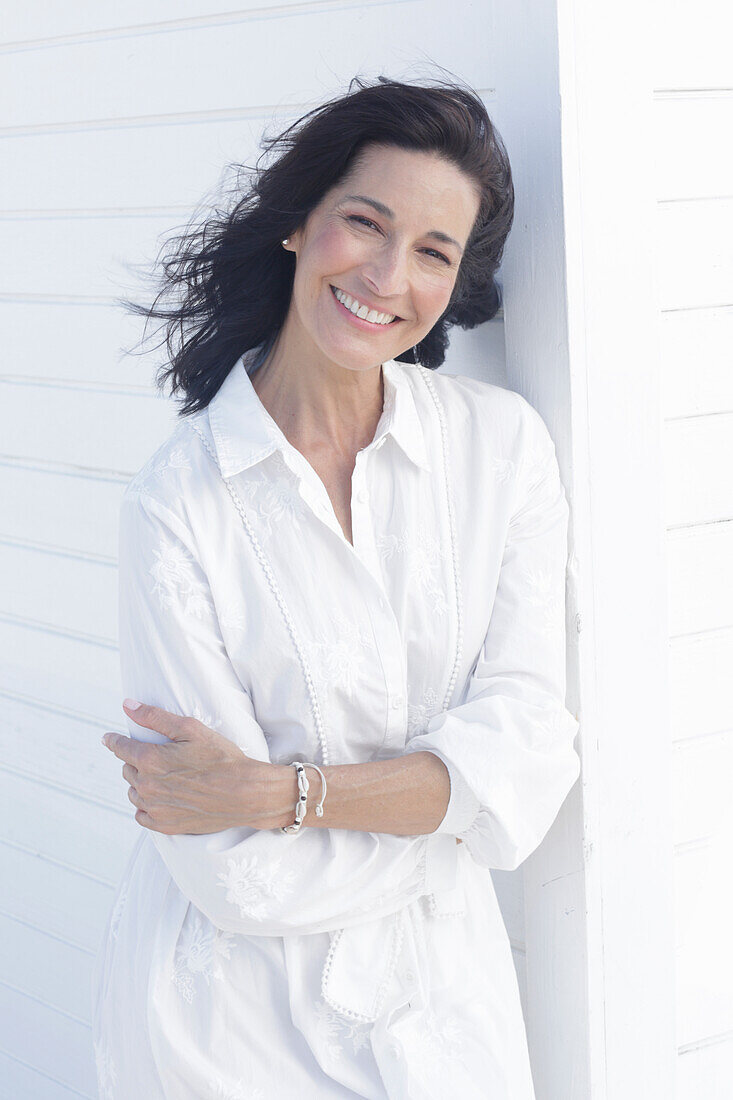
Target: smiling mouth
(363, 313)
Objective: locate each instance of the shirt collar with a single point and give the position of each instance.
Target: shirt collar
(244, 432)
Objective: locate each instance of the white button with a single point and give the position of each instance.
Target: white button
(395, 1050)
(397, 702)
(409, 975)
(362, 495)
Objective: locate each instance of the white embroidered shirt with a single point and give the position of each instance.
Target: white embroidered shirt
(236, 955)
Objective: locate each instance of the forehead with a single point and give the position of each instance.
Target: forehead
(413, 184)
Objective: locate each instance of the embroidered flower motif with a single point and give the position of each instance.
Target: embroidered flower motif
(423, 552)
(116, 915)
(419, 714)
(250, 886)
(438, 1040)
(335, 1030)
(171, 455)
(233, 618)
(502, 469)
(199, 952)
(542, 594)
(274, 494)
(106, 1071)
(341, 653)
(238, 1090)
(176, 581)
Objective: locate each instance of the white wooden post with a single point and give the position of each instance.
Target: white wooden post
(580, 307)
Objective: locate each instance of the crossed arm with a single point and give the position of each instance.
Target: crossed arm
(200, 782)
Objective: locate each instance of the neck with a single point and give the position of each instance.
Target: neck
(317, 404)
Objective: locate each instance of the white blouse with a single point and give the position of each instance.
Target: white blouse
(332, 962)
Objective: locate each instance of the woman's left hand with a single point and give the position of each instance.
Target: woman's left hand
(200, 782)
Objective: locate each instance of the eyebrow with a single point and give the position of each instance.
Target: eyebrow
(436, 234)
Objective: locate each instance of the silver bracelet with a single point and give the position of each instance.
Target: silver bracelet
(301, 806)
(319, 807)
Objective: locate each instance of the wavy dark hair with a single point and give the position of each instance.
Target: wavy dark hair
(227, 281)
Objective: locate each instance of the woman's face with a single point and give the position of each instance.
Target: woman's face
(390, 237)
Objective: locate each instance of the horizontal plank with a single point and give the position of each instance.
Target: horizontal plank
(692, 45)
(46, 968)
(704, 956)
(87, 257)
(79, 834)
(696, 349)
(699, 681)
(694, 261)
(700, 590)
(702, 778)
(234, 66)
(705, 1070)
(66, 904)
(705, 168)
(66, 759)
(73, 508)
(90, 430)
(53, 1043)
(63, 592)
(184, 162)
(69, 678)
(698, 460)
(73, 341)
(45, 19)
(18, 1080)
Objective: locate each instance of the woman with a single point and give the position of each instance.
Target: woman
(343, 559)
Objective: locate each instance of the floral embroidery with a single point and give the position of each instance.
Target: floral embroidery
(334, 1029)
(199, 951)
(275, 499)
(233, 618)
(341, 652)
(170, 456)
(438, 1040)
(543, 594)
(424, 552)
(106, 1072)
(250, 886)
(240, 1090)
(419, 714)
(176, 581)
(502, 469)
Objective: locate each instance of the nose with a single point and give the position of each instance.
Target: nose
(386, 273)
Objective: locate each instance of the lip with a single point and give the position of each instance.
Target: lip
(361, 321)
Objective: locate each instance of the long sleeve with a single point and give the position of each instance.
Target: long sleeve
(508, 745)
(256, 882)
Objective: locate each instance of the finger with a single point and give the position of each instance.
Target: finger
(144, 819)
(124, 748)
(131, 774)
(133, 796)
(155, 718)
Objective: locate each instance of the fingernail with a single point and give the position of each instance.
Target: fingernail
(131, 704)
(104, 741)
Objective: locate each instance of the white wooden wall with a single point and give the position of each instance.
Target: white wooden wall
(692, 72)
(116, 119)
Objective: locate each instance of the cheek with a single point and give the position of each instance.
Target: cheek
(434, 297)
(333, 251)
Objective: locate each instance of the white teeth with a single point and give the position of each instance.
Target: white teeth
(363, 311)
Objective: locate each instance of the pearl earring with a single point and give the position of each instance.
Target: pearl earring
(286, 241)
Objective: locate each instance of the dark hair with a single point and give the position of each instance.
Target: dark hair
(227, 281)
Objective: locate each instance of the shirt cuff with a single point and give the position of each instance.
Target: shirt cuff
(463, 805)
